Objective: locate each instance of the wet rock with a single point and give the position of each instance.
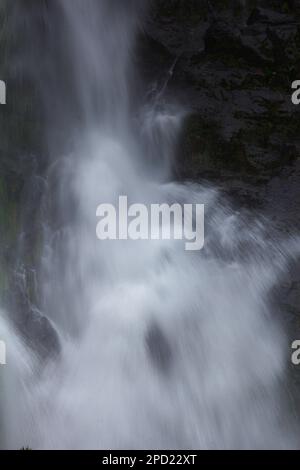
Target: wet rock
(234, 69)
(41, 335)
(236, 63)
(222, 36)
(269, 17)
(36, 329)
(159, 348)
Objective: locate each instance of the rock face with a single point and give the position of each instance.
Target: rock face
(20, 129)
(21, 160)
(159, 349)
(235, 62)
(232, 64)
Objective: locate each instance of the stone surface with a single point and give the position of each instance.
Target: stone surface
(233, 66)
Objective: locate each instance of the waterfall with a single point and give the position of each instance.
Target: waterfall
(158, 347)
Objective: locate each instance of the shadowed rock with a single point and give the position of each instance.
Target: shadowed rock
(159, 349)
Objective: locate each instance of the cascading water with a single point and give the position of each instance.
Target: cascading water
(158, 347)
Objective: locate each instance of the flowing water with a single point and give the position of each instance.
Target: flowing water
(158, 347)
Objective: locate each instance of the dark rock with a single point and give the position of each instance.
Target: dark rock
(222, 36)
(159, 349)
(236, 76)
(270, 17)
(41, 335)
(37, 330)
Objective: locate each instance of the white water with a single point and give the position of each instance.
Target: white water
(160, 348)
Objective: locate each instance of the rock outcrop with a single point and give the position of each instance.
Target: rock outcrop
(234, 65)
